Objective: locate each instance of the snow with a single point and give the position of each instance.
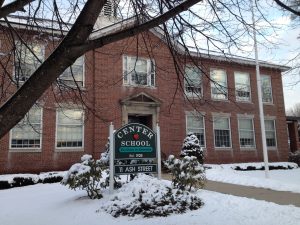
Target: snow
(280, 180)
(50, 204)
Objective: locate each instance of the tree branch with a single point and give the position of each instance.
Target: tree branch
(15, 6)
(280, 3)
(132, 30)
(63, 56)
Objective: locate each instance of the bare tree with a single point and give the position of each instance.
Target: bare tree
(222, 26)
(294, 111)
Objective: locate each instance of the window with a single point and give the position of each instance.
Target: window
(27, 60)
(246, 133)
(73, 74)
(219, 84)
(69, 131)
(266, 89)
(193, 81)
(242, 86)
(195, 124)
(27, 133)
(138, 71)
(222, 132)
(270, 133)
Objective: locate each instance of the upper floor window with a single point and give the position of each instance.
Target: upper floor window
(195, 124)
(193, 81)
(27, 59)
(266, 87)
(27, 133)
(246, 133)
(69, 131)
(138, 71)
(270, 133)
(74, 75)
(222, 132)
(219, 88)
(242, 86)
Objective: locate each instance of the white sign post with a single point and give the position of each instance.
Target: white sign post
(111, 157)
(158, 152)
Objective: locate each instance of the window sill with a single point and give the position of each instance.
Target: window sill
(272, 148)
(25, 150)
(268, 103)
(200, 97)
(246, 102)
(223, 148)
(220, 100)
(248, 149)
(69, 149)
(139, 86)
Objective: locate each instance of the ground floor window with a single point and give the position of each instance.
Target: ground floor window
(246, 133)
(27, 133)
(222, 132)
(195, 124)
(270, 133)
(69, 132)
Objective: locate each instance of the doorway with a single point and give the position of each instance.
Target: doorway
(142, 119)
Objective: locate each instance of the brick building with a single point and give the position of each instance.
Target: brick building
(125, 82)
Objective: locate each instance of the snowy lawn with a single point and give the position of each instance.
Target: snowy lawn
(280, 180)
(51, 204)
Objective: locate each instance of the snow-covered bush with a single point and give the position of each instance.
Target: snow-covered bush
(86, 176)
(104, 159)
(186, 172)
(295, 157)
(191, 147)
(149, 197)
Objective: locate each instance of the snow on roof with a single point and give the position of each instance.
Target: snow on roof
(62, 28)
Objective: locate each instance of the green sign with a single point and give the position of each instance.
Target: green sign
(135, 141)
(131, 169)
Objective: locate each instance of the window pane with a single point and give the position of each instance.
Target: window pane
(222, 138)
(221, 123)
(76, 71)
(27, 133)
(242, 86)
(270, 133)
(193, 81)
(219, 84)
(245, 124)
(70, 128)
(266, 88)
(196, 126)
(222, 132)
(246, 132)
(27, 59)
(138, 71)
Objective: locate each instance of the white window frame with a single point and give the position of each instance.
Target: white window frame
(191, 114)
(81, 148)
(31, 44)
(238, 98)
(189, 83)
(230, 136)
(71, 80)
(253, 131)
(271, 88)
(275, 132)
(127, 80)
(28, 149)
(214, 84)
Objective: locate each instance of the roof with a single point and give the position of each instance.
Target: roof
(61, 29)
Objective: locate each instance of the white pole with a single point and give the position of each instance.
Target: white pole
(158, 152)
(111, 158)
(260, 103)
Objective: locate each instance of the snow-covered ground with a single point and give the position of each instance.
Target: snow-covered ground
(280, 180)
(51, 204)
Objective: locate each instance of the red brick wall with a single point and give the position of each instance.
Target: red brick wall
(104, 89)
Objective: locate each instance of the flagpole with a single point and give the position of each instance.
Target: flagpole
(260, 103)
